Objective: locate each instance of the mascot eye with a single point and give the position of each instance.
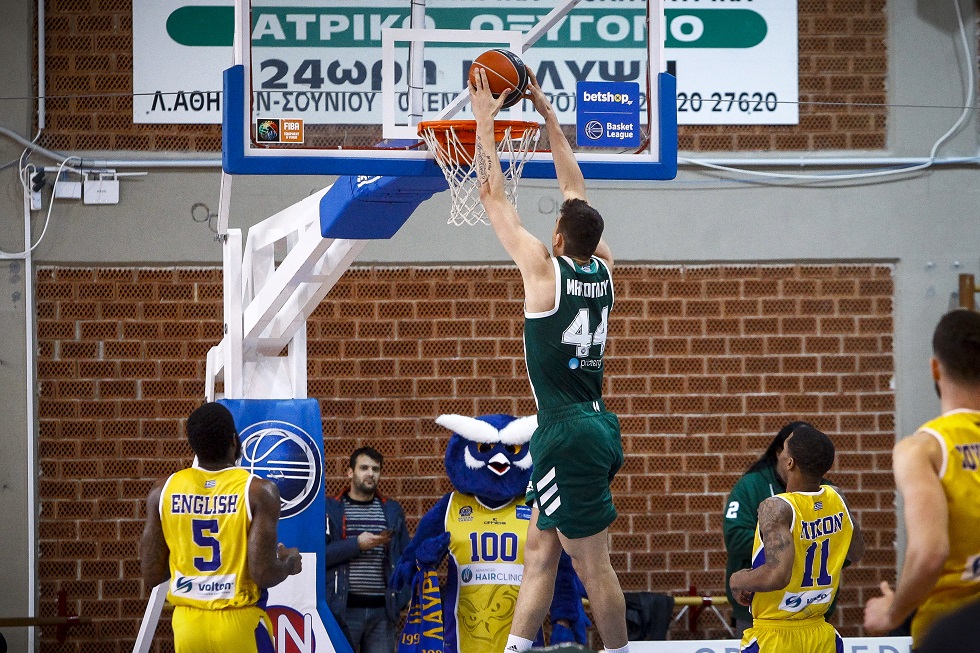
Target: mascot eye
(483, 447)
(514, 449)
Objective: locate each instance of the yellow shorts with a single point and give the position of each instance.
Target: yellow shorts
(242, 630)
(809, 636)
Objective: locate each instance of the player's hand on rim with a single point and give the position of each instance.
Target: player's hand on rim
(484, 105)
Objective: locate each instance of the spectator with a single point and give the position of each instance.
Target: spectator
(366, 534)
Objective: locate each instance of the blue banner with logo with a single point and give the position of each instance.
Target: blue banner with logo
(282, 441)
(607, 114)
(423, 631)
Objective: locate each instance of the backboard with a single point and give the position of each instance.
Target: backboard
(338, 86)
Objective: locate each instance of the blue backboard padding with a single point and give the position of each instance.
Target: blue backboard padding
(234, 159)
(366, 208)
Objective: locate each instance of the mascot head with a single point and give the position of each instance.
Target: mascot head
(489, 456)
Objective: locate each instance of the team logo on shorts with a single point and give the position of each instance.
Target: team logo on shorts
(289, 457)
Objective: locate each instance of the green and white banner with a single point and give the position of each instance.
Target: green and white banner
(735, 60)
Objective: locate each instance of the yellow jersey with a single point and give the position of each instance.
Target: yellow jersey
(205, 517)
(958, 432)
(486, 565)
(821, 532)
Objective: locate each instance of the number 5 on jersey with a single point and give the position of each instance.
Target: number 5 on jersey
(205, 531)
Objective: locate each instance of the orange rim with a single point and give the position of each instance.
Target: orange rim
(465, 130)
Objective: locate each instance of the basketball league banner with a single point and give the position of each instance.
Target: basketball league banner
(735, 62)
(282, 441)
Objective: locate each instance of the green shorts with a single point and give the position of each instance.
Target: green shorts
(576, 451)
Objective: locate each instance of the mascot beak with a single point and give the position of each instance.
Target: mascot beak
(499, 464)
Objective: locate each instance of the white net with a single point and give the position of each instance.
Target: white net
(453, 144)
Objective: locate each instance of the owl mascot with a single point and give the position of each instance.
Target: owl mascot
(482, 525)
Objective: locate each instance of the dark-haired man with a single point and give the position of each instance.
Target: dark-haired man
(803, 537)
(366, 534)
(576, 447)
(937, 472)
(211, 529)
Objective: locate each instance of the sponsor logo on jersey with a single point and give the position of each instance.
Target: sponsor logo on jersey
(466, 513)
(797, 601)
(818, 505)
(210, 484)
(289, 457)
(523, 512)
(204, 588)
(491, 574)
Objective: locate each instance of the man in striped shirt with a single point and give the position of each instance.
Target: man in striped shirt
(366, 534)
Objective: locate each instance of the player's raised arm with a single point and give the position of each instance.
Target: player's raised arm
(528, 252)
(569, 174)
(775, 527)
(269, 563)
(571, 182)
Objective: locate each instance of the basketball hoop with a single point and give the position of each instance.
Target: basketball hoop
(454, 143)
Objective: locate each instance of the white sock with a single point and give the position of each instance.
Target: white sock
(624, 649)
(517, 644)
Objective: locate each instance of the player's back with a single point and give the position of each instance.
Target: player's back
(564, 347)
(958, 432)
(821, 534)
(205, 517)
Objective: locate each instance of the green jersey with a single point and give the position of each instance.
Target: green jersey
(563, 347)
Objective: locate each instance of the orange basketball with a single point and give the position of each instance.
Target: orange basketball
(505, 70)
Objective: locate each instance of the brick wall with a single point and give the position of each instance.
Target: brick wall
(705, 364)
(842, 71)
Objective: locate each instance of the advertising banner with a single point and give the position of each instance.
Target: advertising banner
(735, 61)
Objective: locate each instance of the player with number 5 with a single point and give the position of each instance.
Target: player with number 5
(211, 530)
(802, 540)
(576, 448)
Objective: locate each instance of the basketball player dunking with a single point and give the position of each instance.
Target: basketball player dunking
(576, 447)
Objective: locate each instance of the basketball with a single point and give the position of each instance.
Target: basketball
(504, 70)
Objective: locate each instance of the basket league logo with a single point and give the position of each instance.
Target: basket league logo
(289, 457)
